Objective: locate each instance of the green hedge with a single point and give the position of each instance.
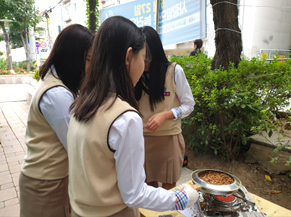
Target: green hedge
(234, 104)
(21, 65)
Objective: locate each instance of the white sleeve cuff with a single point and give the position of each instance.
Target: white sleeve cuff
(177, 112)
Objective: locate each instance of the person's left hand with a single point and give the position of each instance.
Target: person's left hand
(155, 121)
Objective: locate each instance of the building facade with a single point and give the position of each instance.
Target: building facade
(265, 26)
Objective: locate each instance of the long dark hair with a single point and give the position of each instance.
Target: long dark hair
(152, 82)
(107, 71)
(68, 55)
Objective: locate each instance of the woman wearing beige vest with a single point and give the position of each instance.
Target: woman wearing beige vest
(164, 97)
(43, 182)
(105, 137)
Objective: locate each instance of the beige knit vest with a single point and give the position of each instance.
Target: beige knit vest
(169, 127)
(93, 187)
(46, 158)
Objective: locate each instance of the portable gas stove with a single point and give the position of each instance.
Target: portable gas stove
(223, 200)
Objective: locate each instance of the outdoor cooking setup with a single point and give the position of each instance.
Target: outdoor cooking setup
(222, 194)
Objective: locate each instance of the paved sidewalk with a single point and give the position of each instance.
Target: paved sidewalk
(13, 116)
(12, 92)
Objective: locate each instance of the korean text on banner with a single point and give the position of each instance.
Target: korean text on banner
(179, 20)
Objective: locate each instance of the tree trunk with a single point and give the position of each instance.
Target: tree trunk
(92, 16)
(25, 48)
(8, 51)
(227, 37)
(27, 51)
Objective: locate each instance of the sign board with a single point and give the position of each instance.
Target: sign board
(37, 50)
(179, 20)
(37, 44)
(43, 44)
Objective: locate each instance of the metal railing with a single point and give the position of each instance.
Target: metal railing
(270, 54)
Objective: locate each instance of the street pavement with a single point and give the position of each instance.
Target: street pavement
(13, 117)
(12, 92)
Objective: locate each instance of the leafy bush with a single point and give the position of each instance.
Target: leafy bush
(36, 75)
(234, 104)
(21, 65)
(3, 64)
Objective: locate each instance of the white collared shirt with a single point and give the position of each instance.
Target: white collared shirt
(184, 93)
(55, 107)
(126, 137)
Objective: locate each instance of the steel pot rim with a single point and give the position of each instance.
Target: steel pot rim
(216, 189)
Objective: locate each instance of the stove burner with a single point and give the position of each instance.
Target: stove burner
(229, 198)
(238, 204)
(221, 203)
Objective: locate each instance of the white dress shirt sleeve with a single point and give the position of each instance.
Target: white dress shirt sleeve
(55, 105)
(126, 137)
(184, 93)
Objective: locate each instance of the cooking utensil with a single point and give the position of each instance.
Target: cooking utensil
(216, 189)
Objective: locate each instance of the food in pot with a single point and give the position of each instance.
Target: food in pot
(215, 177)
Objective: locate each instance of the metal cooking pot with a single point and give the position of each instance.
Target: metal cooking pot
(216, 189)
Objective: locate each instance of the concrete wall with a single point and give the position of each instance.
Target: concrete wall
(265, 24)
(208, 42)
(246, 24)
(272, 28)
(17, 79)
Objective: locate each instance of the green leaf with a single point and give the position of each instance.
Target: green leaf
(270, 133)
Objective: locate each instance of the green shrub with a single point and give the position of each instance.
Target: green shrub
(234, 104)
(3, 64)
(1, 53)
(36, 75)
(23, 65)
(16, 65)
(32, 66)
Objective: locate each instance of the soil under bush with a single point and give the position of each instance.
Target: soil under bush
(252, 176)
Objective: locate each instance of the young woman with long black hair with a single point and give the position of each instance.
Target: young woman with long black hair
(105, 136)
(164, 97)
(43, 182)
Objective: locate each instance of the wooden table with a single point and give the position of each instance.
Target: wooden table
(267, 207)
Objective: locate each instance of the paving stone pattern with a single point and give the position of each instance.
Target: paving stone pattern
(13, 117)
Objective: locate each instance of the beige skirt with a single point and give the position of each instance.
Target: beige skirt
(127, 212)
(43, 198)
(164, 157)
